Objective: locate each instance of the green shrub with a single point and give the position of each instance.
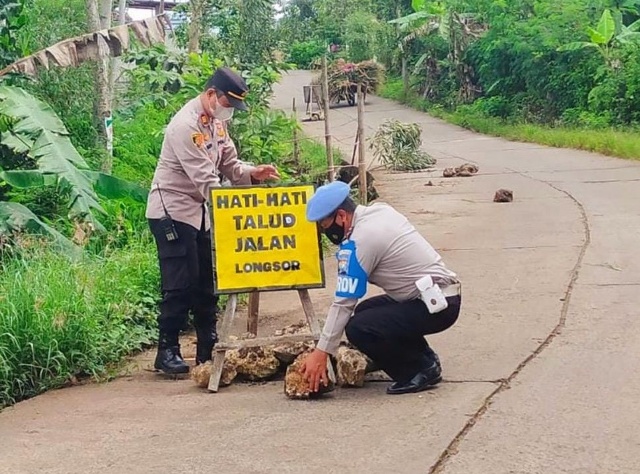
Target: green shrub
(392, 89)
(137, 138)
(495, 106)
(303, 53)
(618, 92)
(125, 224)
(60, 320)
(577, 117)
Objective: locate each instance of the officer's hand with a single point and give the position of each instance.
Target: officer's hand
(314, 369)
(263, 172)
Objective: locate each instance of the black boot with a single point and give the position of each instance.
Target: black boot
(169, 360)
(207, 338)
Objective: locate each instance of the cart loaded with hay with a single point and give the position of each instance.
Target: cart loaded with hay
(343, 79)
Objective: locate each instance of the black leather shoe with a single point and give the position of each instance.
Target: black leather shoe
(170, 361)
(423, 380)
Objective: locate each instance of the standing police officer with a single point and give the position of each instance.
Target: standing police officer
(379, 245)
(195, 151)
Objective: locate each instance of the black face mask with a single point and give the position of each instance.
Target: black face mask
(335, 232)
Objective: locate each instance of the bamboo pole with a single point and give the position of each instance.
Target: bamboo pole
(254, 309)
(327, 130)
(296, 144)
(362, 165)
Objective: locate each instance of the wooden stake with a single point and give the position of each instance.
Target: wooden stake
(296, 144)
(327, 130)
(225, 330)
(309, 312)
(355, 149)
(362, 165)
(405, 77)
(254, 309)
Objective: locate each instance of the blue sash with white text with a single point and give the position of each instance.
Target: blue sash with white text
(352, 279)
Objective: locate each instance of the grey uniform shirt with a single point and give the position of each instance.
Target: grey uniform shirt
(393, 255)
(195, 150)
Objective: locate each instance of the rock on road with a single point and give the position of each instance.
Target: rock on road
(540, 370)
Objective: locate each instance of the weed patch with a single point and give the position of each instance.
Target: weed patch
(61, 319)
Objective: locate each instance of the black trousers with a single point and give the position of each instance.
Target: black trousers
(186, 274)
(391, 333)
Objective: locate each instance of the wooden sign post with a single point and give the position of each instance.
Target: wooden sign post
(262, 241)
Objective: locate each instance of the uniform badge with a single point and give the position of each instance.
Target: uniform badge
(343, 261)
(220, 131)
(198, 139)
(204, 119)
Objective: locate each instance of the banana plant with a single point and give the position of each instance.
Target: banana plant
(606, 37)
(447, 19)
(30, 127)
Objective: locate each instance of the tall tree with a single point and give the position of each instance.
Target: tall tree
(256, 23)
(99, 18)
(197, 10)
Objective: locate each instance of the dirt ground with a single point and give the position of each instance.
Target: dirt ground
(540, 370)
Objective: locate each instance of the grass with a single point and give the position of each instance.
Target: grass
(61, 320)
(607, 141)
(312, 162)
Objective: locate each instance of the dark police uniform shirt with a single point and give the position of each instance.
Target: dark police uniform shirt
(385, 249)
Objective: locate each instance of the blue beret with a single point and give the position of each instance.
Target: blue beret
(326, 199)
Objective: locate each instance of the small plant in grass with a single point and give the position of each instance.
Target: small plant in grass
(397, 146)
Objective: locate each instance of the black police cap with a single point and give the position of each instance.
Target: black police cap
(231, 85)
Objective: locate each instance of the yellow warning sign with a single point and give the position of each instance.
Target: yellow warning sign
(262, 240)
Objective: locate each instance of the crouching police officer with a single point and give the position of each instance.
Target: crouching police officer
(195, 152)
(379, 245)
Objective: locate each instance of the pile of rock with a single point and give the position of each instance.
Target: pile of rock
(467, 169)
(264, 363)
(252, 363)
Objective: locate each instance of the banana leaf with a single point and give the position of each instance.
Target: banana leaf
(105, 185)
(38, 131)
(15, 217)
(24, 179)
(111, 187)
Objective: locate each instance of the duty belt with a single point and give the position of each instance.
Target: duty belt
(451, 290)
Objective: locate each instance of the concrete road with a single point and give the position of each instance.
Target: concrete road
(540, 371)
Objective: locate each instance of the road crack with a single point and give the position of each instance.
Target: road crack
(453, 446)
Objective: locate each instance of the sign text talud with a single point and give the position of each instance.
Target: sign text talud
(262, 239)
